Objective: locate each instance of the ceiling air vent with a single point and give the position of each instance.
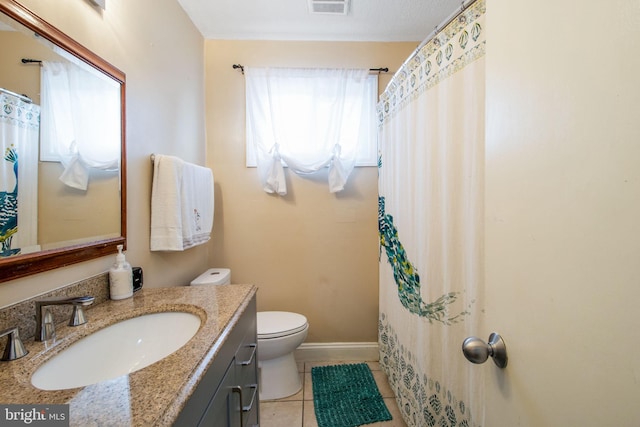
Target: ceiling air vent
(329, 7)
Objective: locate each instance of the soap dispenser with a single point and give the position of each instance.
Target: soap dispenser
(120, 278)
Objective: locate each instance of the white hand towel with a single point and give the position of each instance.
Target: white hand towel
(181, 204)
(197, 205)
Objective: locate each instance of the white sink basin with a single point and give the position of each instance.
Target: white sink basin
(116, 350)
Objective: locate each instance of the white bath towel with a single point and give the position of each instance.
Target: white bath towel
(181, 204)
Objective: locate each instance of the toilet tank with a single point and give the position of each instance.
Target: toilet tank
(213, 276)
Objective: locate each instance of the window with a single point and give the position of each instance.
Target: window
(309, 119)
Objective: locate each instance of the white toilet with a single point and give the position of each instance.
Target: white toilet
(279, 334)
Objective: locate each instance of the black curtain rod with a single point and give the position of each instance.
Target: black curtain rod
(379, 70)
(31, 61)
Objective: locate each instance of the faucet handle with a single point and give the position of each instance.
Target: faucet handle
(14, 348)
(77, 316)
(82, 301)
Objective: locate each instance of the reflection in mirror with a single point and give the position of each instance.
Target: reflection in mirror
(62, 170)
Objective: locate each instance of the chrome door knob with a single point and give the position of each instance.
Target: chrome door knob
(477, 351)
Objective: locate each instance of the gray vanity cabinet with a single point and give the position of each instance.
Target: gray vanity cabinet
(228, 396)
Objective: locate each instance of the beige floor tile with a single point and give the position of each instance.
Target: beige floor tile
(309, 415)
(383, 384)
(280, 414)
(397, 420)
(374, 366)
(308, 387)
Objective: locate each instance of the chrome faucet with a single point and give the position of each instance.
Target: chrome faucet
(45, 329)
(14, 348)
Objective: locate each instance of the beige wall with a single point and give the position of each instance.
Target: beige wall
(310, 252)
(17, 77)
(66, 214)
(161, 52)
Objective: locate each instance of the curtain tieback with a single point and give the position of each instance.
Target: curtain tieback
(275, 152)
(337, 150)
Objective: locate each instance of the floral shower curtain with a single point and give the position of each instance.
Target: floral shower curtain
(19, 128)
(430, 223)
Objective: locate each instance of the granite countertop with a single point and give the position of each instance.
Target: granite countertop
(153, 396)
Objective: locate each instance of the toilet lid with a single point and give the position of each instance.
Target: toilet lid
(273, 324)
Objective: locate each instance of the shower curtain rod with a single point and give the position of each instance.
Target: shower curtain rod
(31, 61)
(464, 5)
(24, 98)
(378, 70)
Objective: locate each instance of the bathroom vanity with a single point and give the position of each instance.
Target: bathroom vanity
(228, 392)
(212, 380)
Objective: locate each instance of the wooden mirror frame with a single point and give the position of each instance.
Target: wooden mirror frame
(37, 262)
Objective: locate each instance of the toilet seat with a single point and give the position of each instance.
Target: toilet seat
(277, 324)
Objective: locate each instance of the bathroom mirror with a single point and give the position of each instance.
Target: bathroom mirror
(72, 224)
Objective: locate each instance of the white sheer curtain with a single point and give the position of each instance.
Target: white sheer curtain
(307, 118)
(80, 121)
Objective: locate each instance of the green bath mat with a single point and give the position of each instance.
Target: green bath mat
(347, 396)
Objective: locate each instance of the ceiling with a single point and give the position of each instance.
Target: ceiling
(367, 20)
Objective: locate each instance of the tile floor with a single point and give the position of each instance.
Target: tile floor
(297, 410)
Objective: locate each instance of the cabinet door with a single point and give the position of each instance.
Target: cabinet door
(228, 393)
(224, 409)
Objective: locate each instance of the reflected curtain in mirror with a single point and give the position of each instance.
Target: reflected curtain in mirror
(80, 121)
(19, 127)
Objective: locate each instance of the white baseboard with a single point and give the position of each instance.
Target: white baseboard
(337, 351)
